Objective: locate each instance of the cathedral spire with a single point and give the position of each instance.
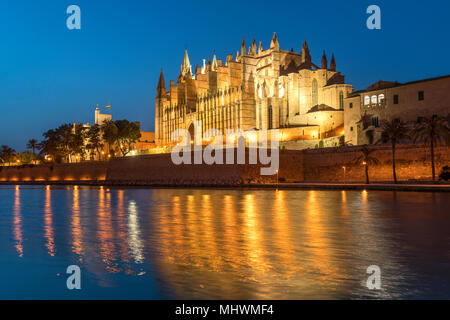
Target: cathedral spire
(186, 65)
(333, 63)
(214, 66)
(324, 61)
(306, 57)
(260, 49)
(161, 89)
(274, 43)
(243, 47)
(254, 47)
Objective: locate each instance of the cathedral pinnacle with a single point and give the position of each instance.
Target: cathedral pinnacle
(333, 63)
(186, 65)
(324, 61)
(274, 43)
(243, 47)
(161, 89)
(260, 49)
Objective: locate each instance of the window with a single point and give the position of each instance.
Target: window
(269, 120)
(314, 93)
(395, 98)
(341, 100)
(351, 128)
(381, 98)
(351, 105)
(366, 100)
(375, 122)
(421, 95)
(374, 99)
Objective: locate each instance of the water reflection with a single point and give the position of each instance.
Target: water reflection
(77, 231)
(48, 225)
(243, 244)
(18, 237)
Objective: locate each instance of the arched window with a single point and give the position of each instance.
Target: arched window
(269, 119)
(381, 98)
(374, 99)
(341, 100)
(314, 93)
(366, 100)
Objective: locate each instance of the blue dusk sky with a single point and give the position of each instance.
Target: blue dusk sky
(50, 75)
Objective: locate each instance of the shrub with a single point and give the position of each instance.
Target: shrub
(445, 173)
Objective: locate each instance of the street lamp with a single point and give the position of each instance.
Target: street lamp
(277, 179)
(344, 172)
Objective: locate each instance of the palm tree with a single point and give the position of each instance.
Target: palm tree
(32, 144)
(7, 154)
(367, 159)
(432, 131)
(393, 132)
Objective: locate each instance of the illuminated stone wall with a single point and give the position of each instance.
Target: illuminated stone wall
(326, 164)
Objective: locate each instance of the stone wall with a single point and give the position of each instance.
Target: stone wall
(325, 164)
(84, 171)
(413, 163)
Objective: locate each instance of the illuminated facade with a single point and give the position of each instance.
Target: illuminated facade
(366, 109)
(257, 89)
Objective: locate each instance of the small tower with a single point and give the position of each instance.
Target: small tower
(186, 65)
(97, 115)
(161, 89)
(254, 47)
(324, 61)
(274, 43)
(214, 66)
(260, 49)
(332, 63)
(306, 57)
(243, 47)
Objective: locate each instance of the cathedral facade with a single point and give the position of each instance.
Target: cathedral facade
(257, 89)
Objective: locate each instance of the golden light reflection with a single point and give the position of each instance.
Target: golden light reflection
(48, 224)
(282, 239)
(320, 259)
(253, 237)
(77, 231)
(17, 230)
(344, 202)
(135, 242)
(106, 232)
(122, 228)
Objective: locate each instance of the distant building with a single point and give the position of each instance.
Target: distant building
(365, 110)
(257, 89)
(101, 118)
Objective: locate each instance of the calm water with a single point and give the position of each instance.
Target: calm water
(208, 244)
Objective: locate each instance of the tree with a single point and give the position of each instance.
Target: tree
(26, 157)
(110, 132)
(394, 132)
(33, 144)
(95, 141)
(121, 133)
(128, 134)
(77, 138)
(431, 131)
(367, 159)
(57, 142)
(7, 154)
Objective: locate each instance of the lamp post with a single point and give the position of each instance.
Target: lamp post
(277, 179)
(344, 172)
